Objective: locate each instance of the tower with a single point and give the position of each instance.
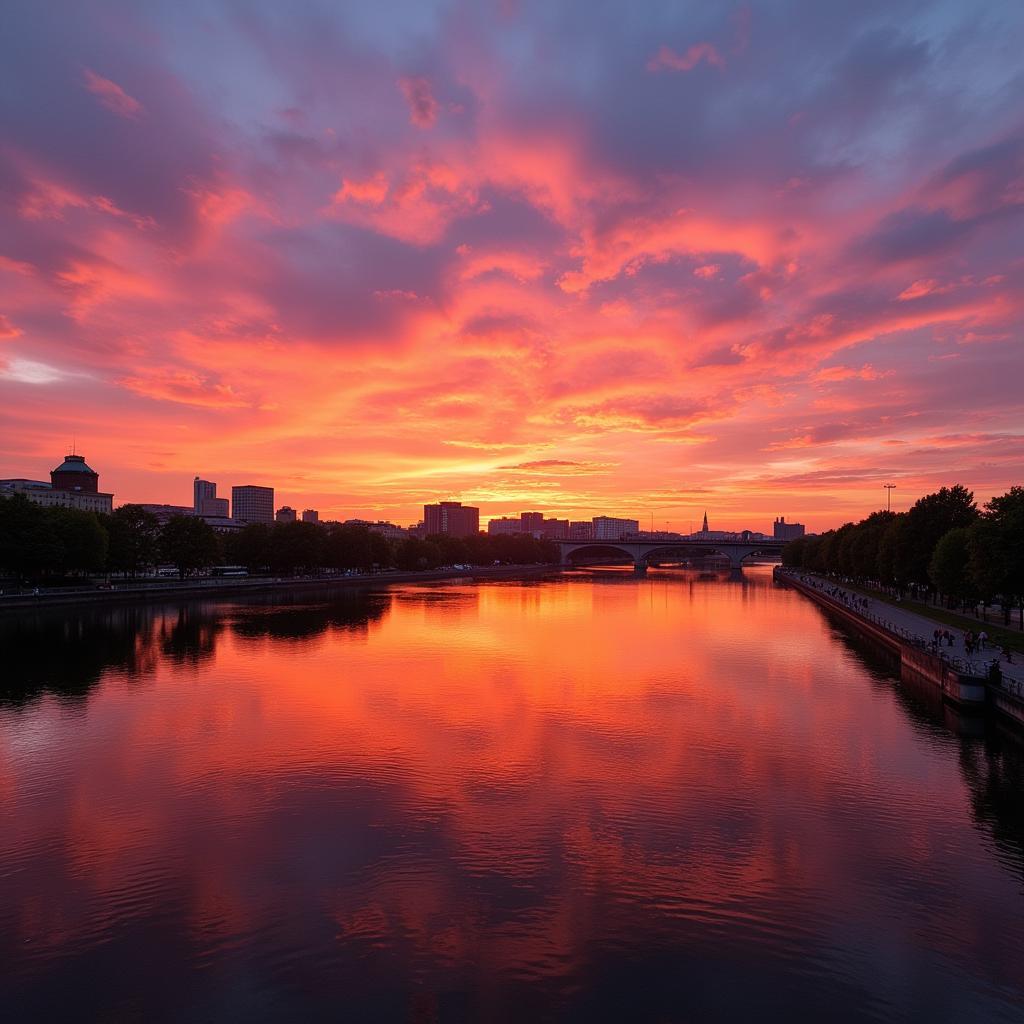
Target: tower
(704, 528)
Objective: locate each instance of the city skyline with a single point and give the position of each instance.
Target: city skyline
(206, 503)
(757, 259)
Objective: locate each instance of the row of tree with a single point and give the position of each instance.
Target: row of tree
(38, 542)
(944, 547)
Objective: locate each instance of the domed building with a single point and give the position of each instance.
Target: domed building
(73, 484)
(74, 475)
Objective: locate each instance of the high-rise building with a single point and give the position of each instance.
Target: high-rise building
(451, 517)
(72, 485)
(310, 515)
(205, 501)
(581, 531)
(610, 528)
(781, 530)
(285, 514)
(202, 489)
(252, 504)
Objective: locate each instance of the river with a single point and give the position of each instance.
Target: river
(588, 797)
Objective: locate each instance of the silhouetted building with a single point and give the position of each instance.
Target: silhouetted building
(252, 504)
(285, 514)
(205, 501)
(451, 517)
(781, 530)
(556, 529)
(581, 531)
(531, 522)
(310, 515)
(165, 512)
(72, 485)
(201, 490)
(610, 528)
(505, 526)
(222, 524)
(384, 528)
(705, 534)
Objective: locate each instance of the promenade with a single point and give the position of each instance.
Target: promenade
(918, 629)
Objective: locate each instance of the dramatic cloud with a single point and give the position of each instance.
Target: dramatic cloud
(763, 258)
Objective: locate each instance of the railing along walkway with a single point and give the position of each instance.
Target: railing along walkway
(918, 630)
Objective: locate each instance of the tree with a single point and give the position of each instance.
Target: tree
(414, 553)
(949, 567)
(930, 518)
(134, 537)
(349, 547)
(889, 544)
(866, 543)
(189, 544)
(793, 552)
(250, 547)
(28, 541)
(296, 546)
(82, 540)
(997, 551)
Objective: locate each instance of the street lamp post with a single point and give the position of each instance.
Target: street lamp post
(888, 496)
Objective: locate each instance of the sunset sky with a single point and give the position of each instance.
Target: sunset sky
(584, 258)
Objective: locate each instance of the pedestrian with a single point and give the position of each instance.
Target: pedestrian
(982, 638)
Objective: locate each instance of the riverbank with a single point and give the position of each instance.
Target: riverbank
(163, 590)
(960, 678)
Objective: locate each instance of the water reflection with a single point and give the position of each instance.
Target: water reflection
(594, 797)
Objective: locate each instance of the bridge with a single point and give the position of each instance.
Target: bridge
(643, 552)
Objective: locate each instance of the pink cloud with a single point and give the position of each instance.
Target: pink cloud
(667, 59)
(111, 95)
(7, 329)
(423, 108)
(372, 190)
(707, 271)
(831, 374)
(920, 288)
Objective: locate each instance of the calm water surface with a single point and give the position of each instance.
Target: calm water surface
(587, 798)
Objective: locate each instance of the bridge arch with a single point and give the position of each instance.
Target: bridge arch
(736, 555)
(598, 549)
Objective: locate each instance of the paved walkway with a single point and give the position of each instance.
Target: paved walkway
(911, 625)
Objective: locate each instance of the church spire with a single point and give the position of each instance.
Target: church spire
(704, 528)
